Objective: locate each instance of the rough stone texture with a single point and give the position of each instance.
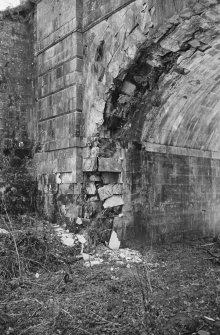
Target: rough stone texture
(173, 193)
(108, 190)
(160, 10)
(121, 36)
(113, 201)
(59, 97)
(122, 33)
(16, 80)
(109, 165)
(98, 9)
(173, 107)
(136, 84)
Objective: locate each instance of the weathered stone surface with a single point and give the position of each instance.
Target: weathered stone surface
(195, 43)
(63, 188)
(77, 188)
(90, 164)
(95, 177)
(128, 88)
(110, 177)
(16, 89)
(170, 172)
(91, 188)
(108, 190)
(109, 165)
(113, 201)
(105, 192)
(67, 178)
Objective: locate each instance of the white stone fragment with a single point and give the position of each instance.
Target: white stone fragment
(114, 242)
(79, 221)
(3, 231)
(67, 240)
(81, 238)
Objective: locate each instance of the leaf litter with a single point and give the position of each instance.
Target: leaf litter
(171, 289)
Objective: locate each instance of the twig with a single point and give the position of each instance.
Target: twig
(32, 327)
(207, 245)
(13, 237)
(147, 277)
(32, 260)
(106, 321)
(213, 255)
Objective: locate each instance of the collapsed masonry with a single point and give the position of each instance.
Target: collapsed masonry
(161, 61)
(127, 116)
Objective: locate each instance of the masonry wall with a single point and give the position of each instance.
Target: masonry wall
(122, 25)
(173, 197)
(166, 196)
(96, 10)
(108, 73)
(16, 81)
(59, 54)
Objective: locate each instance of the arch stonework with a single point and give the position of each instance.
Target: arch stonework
(128, 115)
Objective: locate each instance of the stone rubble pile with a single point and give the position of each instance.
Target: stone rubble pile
(103, 254)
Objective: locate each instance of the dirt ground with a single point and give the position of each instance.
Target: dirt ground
(176, 290)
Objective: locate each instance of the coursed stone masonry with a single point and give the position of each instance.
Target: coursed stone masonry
(128, 113)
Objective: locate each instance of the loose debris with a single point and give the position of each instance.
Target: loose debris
(122, 257)
(60, 291)
(102, 254)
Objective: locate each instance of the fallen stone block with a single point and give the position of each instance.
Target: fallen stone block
(113, 201)
(107, 191)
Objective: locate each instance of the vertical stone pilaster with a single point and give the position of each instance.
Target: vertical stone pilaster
(59, 106)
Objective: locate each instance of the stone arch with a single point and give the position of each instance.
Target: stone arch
(164, 108)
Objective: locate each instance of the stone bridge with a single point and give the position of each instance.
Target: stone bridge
(123, 97)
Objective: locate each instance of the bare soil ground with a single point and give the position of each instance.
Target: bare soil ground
(175, 291)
